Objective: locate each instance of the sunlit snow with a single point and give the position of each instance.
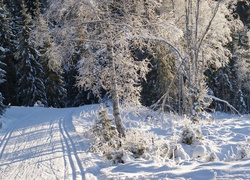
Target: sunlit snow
(47, 143)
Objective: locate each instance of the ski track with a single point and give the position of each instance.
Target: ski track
(5, 139)
(74, 160)
(52, 128)
(41, 148)
(7, 136)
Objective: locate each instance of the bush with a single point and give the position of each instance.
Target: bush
(191, 134)
(103, 127)
(105, 138)
(137, 144)
(242, 152)
(212, 157)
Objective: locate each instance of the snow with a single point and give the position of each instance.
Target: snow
(49, 143)
(199, 151)
(2, 49)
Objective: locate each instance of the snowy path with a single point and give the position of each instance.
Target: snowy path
(52, 144)
(39, 144)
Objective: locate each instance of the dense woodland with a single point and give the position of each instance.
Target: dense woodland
(184, 56)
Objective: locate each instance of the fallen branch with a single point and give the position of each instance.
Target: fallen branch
(221, 100)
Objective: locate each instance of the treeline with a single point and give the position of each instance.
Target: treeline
(33, 73)
(26, 77)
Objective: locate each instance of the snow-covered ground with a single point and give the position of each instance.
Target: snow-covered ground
(48, 143)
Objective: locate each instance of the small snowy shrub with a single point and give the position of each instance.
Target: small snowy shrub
(191, 132)
(135, 145)
(38, 104)
(212, 157)
(103, 127)
(190, 135)
(137, 142)
(115, 155)
(242, 152)
(105, 138)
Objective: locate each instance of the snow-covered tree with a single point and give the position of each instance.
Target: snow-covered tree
(107, 31)
(53, 82)
(2, 79)
(4, 47)
(207, 27)
(242, 73)
(33, 7)
(9, 29)
(53, 73)
(230, 82)
(163, 68)
(30, 71)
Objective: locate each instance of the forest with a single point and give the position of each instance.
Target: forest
(184, 56)
(160, 89)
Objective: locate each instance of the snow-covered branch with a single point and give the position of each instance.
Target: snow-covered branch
(223, 101)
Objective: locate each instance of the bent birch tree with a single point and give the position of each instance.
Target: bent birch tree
(105, 34)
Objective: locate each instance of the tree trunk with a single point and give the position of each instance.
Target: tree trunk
(115, 98)
(117, 116)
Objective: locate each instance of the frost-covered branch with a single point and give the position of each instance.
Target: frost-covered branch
(176, 51)
(221, 100)
(208, 26)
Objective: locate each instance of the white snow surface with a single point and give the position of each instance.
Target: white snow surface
(199, 151)
(47, 143)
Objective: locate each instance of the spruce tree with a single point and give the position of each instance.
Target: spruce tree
(242, 66)
(53, 74)
(54, 84)
(34, 7)
(4, 44)
(76, 96)
(70, 71)
(30, 71)
(231, 81)
(10, 30)
(2, 79)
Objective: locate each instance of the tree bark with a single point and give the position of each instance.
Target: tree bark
(117, 116)
(114, 94)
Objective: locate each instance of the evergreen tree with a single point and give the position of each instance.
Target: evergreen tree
(242, 66)
(53, 74)
(4, 48)
(34, 7)
(54, 84)
(2, 78)
(159, 79)
(30, 72)
(10, 30)
(231, 81)
(70, 72)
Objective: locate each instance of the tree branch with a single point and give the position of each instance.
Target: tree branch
(221, 100)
